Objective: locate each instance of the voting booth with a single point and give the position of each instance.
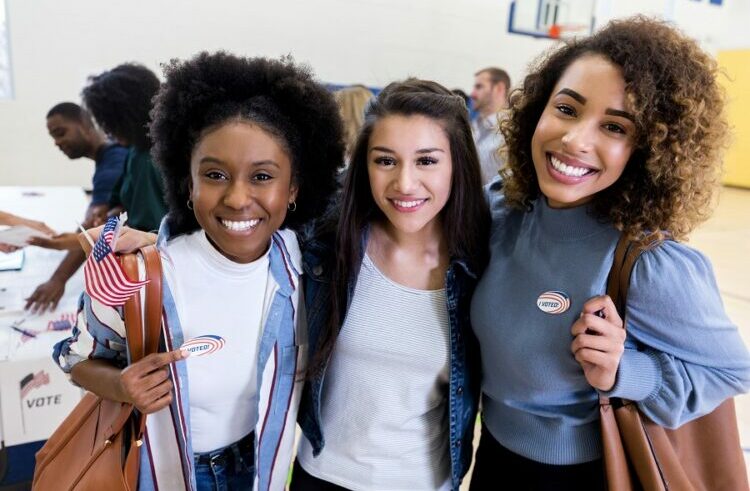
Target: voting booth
(35, 395)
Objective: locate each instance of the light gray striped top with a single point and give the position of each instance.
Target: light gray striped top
(385, 407)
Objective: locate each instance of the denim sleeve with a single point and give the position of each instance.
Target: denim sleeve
(683, 356)
(108, 171)
(99, 333)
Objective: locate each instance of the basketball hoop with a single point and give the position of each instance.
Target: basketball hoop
(567, 31)
(552, 19)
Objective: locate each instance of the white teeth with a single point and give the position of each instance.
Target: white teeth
(408, 204)
(568, 170)
(240, 226)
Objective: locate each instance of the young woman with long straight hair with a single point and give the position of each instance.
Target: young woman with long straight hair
(392, 398)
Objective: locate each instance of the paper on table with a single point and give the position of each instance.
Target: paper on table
(19, 235)
(11, 261)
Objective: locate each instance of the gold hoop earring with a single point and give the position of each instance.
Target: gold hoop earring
(190, 204)
(292, 206)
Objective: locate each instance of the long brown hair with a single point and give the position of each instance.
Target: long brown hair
(465, 217)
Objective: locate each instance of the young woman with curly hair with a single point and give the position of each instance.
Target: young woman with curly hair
(120, 100)
(391, 401)
(249, 148)
(617, 133)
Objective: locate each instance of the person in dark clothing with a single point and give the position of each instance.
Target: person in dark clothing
(74, 133)
(120, 100)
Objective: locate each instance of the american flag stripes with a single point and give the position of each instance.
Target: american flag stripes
(102, 273)
(32, 381)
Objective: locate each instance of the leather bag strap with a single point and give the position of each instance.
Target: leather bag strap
(142, 342)
(613, 281)
(627, 253)
(152, 260)
(132, 311)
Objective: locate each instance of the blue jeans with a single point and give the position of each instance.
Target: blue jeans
(231, 468)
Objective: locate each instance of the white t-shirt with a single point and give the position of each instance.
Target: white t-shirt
(384, 403)
(217, 296)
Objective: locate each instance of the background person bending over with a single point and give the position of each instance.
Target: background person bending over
(75, 135)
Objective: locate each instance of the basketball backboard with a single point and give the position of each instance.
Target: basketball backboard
(552, 18)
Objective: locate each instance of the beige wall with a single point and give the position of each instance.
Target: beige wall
(56, 44)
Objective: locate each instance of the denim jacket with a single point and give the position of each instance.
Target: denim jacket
(464, 387)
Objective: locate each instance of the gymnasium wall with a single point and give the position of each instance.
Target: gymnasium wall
(55, 45)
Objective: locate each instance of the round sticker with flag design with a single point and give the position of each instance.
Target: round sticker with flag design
(553, 302)
(203, 345)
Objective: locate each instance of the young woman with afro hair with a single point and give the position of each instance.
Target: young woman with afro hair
(249, 148)
(617, 133)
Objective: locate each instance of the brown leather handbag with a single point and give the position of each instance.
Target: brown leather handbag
(702, 455)
(97, 446)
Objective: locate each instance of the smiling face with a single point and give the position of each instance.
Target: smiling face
(241, 186)
(410, 169)
(584, 137)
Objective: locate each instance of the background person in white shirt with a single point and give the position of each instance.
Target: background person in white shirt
(490, 96)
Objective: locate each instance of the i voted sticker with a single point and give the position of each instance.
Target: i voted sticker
(553, 302)
(203, 345)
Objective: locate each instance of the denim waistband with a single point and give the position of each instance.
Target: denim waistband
(244, 448)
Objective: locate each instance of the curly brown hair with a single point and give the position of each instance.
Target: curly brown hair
(669, 183)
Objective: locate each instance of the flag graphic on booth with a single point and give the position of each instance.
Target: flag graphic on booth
(29, 383)
(103, 276)
(32, 381)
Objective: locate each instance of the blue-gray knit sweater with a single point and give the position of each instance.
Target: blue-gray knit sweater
(683, 356)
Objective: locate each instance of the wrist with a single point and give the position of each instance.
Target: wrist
(122, 394)
(13, 220)
(58, 279)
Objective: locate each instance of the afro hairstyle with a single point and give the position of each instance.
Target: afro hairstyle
(278, 95)
(120, 101)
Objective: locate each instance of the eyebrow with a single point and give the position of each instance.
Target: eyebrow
(421, 150)
(622, 114)
(612, 112)
(575, 95)
(257, 163)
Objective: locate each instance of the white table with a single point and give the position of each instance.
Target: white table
(31, 408)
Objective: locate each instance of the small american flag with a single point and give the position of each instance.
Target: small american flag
(105, 281)
(32, 381)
